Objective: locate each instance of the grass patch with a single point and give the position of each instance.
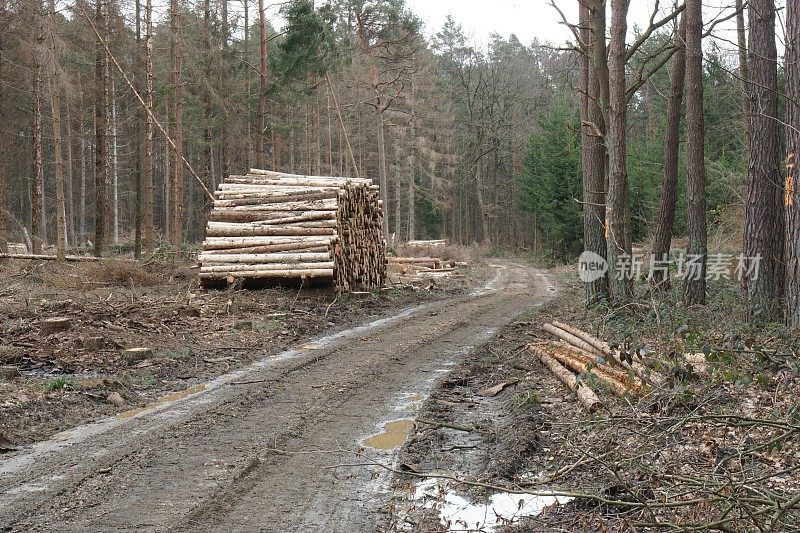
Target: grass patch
(59, 383)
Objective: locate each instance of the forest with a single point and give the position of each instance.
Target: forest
(390, 275)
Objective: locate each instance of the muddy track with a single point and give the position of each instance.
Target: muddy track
(253, 450)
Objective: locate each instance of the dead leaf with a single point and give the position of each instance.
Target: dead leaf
(491, 392)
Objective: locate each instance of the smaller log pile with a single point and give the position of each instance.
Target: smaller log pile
(421, 264)
(579, 352)
(286, 227)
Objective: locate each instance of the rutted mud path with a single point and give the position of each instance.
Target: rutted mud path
(215, 459)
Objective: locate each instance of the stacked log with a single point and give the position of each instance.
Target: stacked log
(286, 227)
(584, 353)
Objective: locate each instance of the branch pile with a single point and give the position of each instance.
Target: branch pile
(285, 227)
(582, 353)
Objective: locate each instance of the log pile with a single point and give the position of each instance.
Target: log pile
(582, 353)
(285, 227)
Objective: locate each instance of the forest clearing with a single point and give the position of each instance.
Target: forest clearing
(399, 266)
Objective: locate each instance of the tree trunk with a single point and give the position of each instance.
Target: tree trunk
(114, 166)
(176, 224)
(383, 174)
(55, 104)
(71, 236)
(619, 237)
(147, 178)
(3, 176)
(37, 189)
(208, 138)
(669, 180)
(764, 219)
(792, 194)
(741, 35)
(695, 287)
(262, 86)
(224, 156)
(101, 135)
(248, 87)
(140, 141)
(593, 163)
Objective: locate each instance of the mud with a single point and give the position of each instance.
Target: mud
(274, 446)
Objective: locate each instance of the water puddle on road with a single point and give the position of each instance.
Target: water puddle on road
(460, 514)
(393, 436)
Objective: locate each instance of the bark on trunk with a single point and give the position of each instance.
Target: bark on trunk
(618, 239)
(176, 224)
(55, 104)
(262, 86)
(3, 177)
(695, 287)
(37, 187)
(764, 219)
(669, 181)
(101, 135)
(741, 36)
(792, 195)
(147, 178)
(593, 163)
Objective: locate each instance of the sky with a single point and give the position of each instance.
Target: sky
(530, 19)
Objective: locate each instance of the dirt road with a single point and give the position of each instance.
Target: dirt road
(252, 450)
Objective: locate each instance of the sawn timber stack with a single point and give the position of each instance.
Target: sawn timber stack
(278, 227)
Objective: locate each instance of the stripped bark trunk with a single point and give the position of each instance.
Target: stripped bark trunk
(114, 165)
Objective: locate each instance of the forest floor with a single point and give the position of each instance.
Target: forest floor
(428, 416)
(293, 429)
(50, 382)
(713, 447)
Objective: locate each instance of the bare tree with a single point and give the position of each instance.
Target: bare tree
(792, 195)
(695, 288)
(665, 220)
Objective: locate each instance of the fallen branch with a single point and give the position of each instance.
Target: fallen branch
(40, 257)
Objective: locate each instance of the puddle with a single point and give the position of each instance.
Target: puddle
(169, 398)
(394, 434)
(460, 514)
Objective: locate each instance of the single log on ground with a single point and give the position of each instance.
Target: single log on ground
(41, 257)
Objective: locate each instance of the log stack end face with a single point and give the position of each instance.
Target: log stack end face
(286, 228)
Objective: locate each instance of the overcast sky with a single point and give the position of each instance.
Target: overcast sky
(530, 19)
